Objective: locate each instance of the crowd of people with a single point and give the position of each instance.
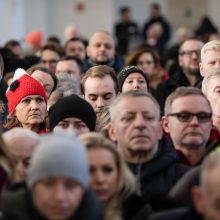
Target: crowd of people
(111, 130)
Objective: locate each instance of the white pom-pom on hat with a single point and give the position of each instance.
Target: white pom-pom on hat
(18, 74)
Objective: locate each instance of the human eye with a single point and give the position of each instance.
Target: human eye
(128, 118)
(97, 45)
(49, 182)
(108, 96)
(80, 125)
(92, 97)
(63, 124)
(40, 99)
(149, 117)
(107, 169)
(203, 116)
(141, 81)
(70, 184)
(184, 116)
(26, 100)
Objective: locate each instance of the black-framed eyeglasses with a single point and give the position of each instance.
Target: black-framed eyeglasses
(190, 52)
(185, 116)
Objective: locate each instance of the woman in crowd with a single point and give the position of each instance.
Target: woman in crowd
(148, 60)
(109, 176)
(132, 78)
(27, 103)
(57, 185)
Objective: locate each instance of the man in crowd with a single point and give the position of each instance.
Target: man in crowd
(188, 121)
(70, 65)
(188, 74)
(135, 127)
(211, 89)
(99, 87)
(101, 51)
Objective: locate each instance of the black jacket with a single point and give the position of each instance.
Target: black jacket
(166, 88)
(18, 205)
(117, 64)
(157, 176)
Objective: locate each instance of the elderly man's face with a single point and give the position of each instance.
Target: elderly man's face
(101, 48)
(136, 127)
(213, 95)
(210, 60)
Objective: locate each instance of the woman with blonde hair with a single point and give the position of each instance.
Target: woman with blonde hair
(110, 177)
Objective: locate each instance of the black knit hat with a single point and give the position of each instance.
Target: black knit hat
(72, 106)
(126, 71)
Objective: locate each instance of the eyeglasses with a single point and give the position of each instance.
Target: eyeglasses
(190, 52)
(185, 116)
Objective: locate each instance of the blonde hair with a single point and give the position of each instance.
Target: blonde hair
(211, 45)
(126, 183)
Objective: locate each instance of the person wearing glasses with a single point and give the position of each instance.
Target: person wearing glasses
(49, 57)
(135, 127)
(188, 121)
(188, 74)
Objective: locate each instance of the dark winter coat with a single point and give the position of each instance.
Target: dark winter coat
(18, 205)
(156, 177)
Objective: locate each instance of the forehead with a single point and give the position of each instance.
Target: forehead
(135, 105)
(134, 75)
(192, 45)
(146, 55)
(49, 54)
(75, 44)
(194, 103)
(211, 54)
(99, 85)
(106, 155)
(41, 75)
(72, 120)
(64, 64)
(101, 37)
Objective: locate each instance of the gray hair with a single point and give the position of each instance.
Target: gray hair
(132, 94)
(205, 82)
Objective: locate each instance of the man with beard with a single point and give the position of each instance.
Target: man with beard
(101, 51)
(188, 121)
(188, 74)
(135, 127)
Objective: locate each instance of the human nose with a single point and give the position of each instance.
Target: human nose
(140, 122)
(100, 103)
(99, 177)
(34, 104)
(136, 85)
(194, 120)
(59, 193)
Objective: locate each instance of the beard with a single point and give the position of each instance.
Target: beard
(192, 71)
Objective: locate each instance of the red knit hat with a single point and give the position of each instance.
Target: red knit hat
(22, 85)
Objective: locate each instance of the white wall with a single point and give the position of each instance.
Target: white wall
(51, 16)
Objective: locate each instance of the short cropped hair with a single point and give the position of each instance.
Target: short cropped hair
(205, 82)
(100, 71)
(73, 58)
(182, 92)
(45, 70)
(132, 94)
(211, 45)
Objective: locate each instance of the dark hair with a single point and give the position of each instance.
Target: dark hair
(74, 58)
(53, 39)
(73, 40)
(124, 9)
(11, 43)
(45, 70)
(53, 47)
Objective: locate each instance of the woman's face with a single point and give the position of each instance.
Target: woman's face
(57, 198)
(31, 111)
(146, 63)
(134, 81)
(104, 174)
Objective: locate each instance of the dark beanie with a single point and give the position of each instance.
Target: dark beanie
(72, 106)
(126, 71)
